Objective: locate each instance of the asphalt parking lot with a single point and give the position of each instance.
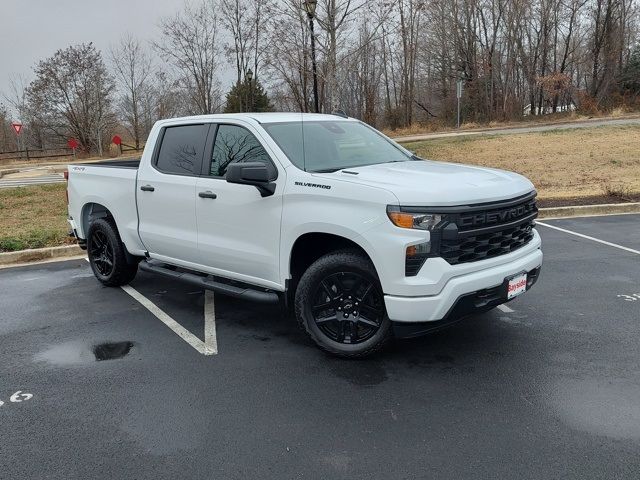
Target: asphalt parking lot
(93, 384)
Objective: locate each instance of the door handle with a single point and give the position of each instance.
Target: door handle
(147, 188)
(208, 194)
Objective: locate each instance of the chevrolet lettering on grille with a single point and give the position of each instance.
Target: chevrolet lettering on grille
(497, 216)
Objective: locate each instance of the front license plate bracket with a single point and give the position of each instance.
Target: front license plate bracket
(515, 285)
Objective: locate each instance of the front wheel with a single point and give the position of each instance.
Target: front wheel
(107, 254)
(339, 303)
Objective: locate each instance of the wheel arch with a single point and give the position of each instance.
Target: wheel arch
(310, 246)
(93, 211)
(90, 212)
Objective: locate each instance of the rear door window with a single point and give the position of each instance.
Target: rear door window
(182, 149)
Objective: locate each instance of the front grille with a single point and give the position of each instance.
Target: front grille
(478, 232)
(486, 245)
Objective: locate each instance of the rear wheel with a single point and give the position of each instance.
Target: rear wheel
(339, 303)
(107, 254)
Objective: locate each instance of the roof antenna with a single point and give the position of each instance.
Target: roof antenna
(340, 113)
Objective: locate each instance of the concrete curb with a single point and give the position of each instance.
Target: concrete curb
(589, 210)
(7, 172)
(39, 254)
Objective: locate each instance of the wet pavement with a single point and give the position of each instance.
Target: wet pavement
(94, 385)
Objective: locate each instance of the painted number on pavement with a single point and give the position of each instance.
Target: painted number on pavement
(634, 297)
(18, 397)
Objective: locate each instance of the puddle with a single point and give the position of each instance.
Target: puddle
(112, 351)
(64, 354)
(78, 353)
(602, 407)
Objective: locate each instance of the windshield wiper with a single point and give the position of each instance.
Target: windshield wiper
(326, 170)
(332, 170)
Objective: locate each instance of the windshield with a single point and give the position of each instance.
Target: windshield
(323, 146)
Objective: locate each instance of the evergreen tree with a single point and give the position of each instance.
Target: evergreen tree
(630, 78)
(243, 98)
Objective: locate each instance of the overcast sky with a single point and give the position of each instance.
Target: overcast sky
(31, 30)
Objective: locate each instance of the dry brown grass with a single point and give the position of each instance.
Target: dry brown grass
(33, 217)
(561, 163)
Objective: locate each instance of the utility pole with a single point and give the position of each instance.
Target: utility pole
(310, 7)
(459, 96)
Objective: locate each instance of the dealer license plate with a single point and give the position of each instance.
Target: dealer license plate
(516, 285)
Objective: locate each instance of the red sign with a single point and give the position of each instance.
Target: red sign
(73, 143)
(17, 127)
(116, 140)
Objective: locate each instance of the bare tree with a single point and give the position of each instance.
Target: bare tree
(235, 19)
(245, 21)
(133, 72)
(164, 98)
(609, 19)
(288, 58)
(16, 99)
(7, 137)
(190, 42)
(334, 17)
(359, 76)
(71, 96)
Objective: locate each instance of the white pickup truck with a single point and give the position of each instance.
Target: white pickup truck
(365, 240)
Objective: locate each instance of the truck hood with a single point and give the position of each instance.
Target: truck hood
(429, 183)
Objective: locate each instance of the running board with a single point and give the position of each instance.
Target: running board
(208, 283)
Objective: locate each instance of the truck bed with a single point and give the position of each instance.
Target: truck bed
(134, 163)
(109, 185)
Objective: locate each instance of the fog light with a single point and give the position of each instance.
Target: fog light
(415, 257)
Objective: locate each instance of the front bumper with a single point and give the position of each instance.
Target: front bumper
(438, 307)
(470, 304)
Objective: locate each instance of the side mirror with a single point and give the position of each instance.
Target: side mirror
(252, 173)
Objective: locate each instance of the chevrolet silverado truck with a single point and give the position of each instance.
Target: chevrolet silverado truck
(363, 240)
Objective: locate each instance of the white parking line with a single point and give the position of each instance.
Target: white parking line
(505, 309)
(210, 344)
(210, 337)
(615, 245)
(178, 329)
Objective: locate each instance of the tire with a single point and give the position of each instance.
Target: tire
(340, 304)
(107, 254)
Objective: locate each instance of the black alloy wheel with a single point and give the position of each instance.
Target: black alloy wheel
(101, 253)
(110, 262)
(340, 305)
(348, 308)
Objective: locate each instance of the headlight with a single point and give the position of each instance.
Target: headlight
(414, 220)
